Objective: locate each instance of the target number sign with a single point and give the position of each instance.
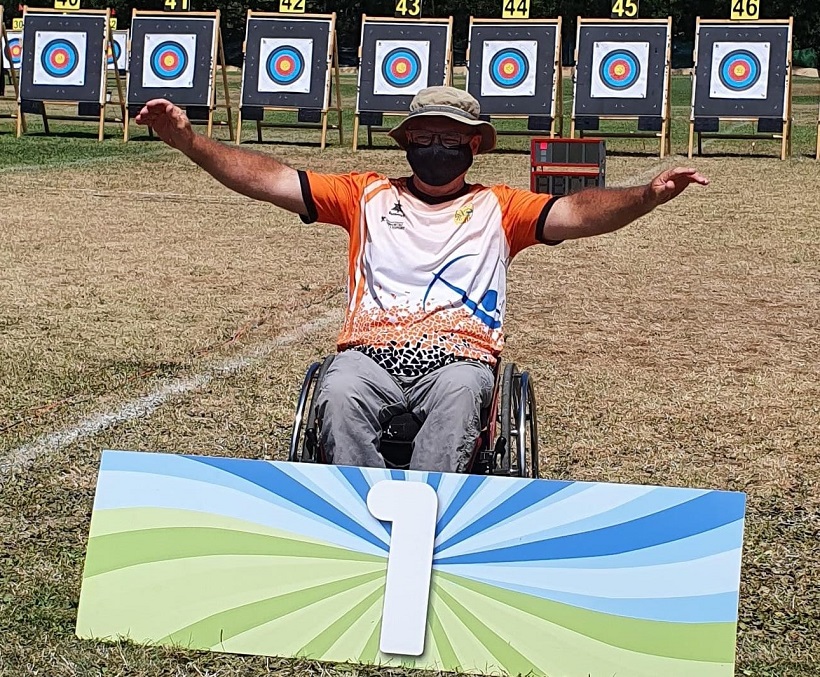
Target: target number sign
(176, 5)
(292, 6)
(408, 9)
(112, 23)
(745, 10)
(624, 9)
(17, 24)
(67, 5)
(515, 9)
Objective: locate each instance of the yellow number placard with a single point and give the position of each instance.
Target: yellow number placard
(745, 10)
(292, 6)
(176, 5)
(67, 5)
(515, 9)
(17, 24)
(408, 9)
(112, 23)
(624, 9)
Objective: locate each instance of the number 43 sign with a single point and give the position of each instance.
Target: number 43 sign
(447, 572)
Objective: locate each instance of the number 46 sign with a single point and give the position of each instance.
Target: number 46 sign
(448, 572)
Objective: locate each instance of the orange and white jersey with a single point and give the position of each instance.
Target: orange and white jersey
(426, 281)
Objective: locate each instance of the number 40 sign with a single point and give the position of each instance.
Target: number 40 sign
(458, 573)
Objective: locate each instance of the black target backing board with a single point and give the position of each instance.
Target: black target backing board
(397, 58)
(622, 68)
(172, 57)
(742, 69)
(287, 62)
(512, 66)
(63, 57)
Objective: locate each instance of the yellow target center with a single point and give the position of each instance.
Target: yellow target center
(285, 66)
(401, 68)
(509, 68)
(168, 61)
(740, 70)
(620, 69)
(59, 59)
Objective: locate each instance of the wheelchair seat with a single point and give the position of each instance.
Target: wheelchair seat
(512, 408)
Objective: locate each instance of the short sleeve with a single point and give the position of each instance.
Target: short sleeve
(523, 215)
(333, 198)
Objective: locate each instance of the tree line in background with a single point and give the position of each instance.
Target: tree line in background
(806, 15)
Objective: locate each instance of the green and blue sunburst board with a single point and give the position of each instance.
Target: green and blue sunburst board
(533, 577)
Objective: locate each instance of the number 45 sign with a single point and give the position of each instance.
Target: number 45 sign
(446, 572)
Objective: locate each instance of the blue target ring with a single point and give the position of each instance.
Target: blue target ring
(620, 69)
(59, 58)
(15, 46)
(114, 53)
(169, 60)
(401, 67)
(509, 68)
(285, 65)
(739, 70)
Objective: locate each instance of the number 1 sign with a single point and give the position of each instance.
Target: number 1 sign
(467, 573)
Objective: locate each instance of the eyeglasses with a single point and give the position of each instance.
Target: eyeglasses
(421, 137)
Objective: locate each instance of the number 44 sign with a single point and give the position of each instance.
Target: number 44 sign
(448, 572)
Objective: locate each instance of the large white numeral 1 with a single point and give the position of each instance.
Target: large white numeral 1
(412, 508)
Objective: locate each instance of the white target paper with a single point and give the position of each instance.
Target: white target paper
(291, 65)
(637, 54)
(186, 44)
(521, 80)
(758, 84)
(59, 45)
(121, 38)
(419, 57)
(15, 37)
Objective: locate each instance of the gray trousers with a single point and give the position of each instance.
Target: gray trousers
(357, 397)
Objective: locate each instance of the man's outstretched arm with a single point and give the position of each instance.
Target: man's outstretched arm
(603, 210)
(253, 174)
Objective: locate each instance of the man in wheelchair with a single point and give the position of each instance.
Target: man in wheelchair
(428, 260)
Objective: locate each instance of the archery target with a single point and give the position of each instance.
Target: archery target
(401, 66)
(117, 56)
(285, 65)
(619, 70)
(510, 68)
(59, 58)
(740, 70)
(169, 60)
(15, 47)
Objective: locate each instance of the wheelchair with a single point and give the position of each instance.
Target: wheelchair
(507, 444)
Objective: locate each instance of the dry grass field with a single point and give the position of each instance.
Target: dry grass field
(143, 306)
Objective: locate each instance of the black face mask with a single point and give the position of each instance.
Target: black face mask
(436, 165)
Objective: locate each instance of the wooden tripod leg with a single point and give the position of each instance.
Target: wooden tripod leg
(356, 132)
(101, 130)
(324, 131)
(691, 138)
(239, 127)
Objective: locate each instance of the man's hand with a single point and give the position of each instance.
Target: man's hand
(169, 122)
(672, 183)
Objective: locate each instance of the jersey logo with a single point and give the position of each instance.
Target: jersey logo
(485, 309)
(463, 214)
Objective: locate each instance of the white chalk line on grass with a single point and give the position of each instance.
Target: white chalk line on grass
(23, 456)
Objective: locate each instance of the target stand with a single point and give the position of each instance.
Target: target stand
(514, 72)
(10, 63)
(175, 56)
(622, 72)
(64, 64)
(397, 59)
(290, 64)
(742, 75)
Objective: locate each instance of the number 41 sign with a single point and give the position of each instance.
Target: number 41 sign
(466, 573)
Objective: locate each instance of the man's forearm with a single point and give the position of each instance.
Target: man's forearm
(256, 175)
(597, 211)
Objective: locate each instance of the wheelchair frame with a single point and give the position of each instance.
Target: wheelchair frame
(513, 453)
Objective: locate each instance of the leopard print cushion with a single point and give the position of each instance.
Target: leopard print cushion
(408, 361)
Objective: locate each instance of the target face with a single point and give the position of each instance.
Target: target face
(740, 70)
(168, 60)
(509, 68)
(401, 66)
(619, 70)
(15, 47)
(116, 53)
(59, 58)
(285, 65)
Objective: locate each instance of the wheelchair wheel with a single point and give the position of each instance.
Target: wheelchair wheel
(519, 424)
(304, 444)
